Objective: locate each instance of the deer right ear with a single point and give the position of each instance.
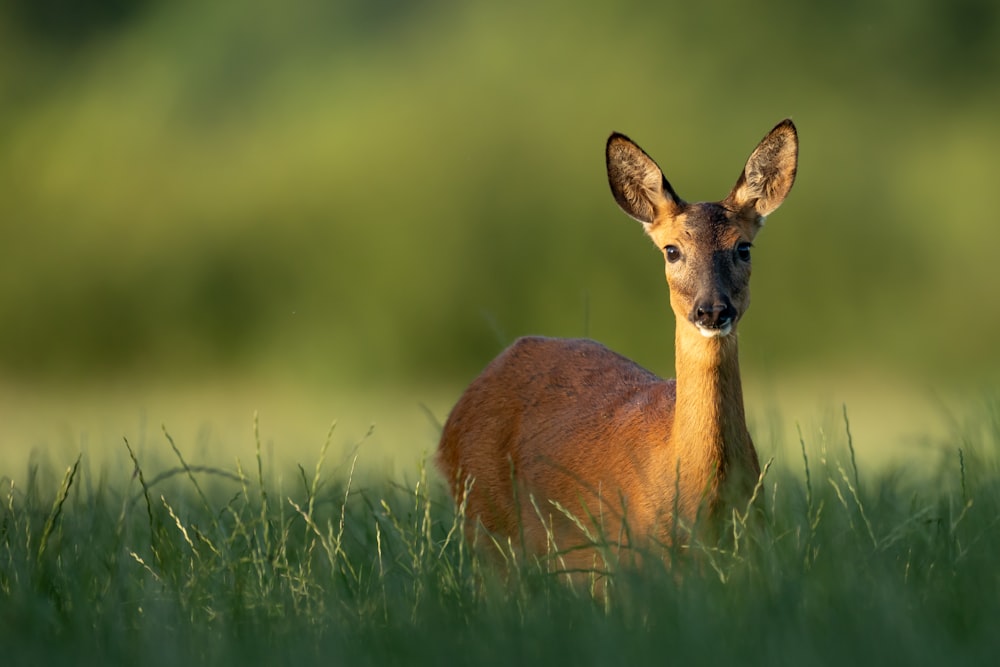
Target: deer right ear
(769, 173)
(636, 181)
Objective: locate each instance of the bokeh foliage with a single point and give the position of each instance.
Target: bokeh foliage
(389, 191)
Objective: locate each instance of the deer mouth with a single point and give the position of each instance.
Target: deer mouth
(718, 331)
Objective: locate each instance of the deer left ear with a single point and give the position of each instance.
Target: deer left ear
(769, 173)
(637, 183)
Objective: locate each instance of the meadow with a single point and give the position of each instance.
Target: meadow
(165, 560)
(340, 211)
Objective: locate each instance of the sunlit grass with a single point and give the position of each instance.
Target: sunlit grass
(175, 561)
(893, 422)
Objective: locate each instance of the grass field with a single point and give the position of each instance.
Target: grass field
(171, 562)
(342, 210)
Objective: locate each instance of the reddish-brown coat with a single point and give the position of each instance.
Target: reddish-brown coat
(555, 426)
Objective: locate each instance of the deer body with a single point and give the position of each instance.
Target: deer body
(556, 427)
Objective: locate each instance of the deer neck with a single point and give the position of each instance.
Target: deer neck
(710, 435)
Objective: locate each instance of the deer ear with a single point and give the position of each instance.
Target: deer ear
(637, 182)
(769, 172)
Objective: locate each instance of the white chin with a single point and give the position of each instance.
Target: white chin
(715, 333)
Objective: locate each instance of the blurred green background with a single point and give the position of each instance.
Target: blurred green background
(332, 198)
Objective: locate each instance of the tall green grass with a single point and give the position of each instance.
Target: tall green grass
(182, 563)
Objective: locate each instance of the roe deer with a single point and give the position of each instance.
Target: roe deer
(559, 441)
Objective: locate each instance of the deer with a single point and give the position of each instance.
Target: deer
(564, 447)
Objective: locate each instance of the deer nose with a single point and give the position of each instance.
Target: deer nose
(713, 314)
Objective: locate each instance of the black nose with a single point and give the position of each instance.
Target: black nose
(713, 314)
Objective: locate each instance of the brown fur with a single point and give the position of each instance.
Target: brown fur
(555, 426)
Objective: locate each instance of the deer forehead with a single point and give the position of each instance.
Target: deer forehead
(707, 226)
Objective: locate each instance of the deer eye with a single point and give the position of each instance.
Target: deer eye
(672, 253)
(743, 251)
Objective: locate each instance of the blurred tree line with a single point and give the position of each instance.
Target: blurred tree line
(68, 23)
(389, 191)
